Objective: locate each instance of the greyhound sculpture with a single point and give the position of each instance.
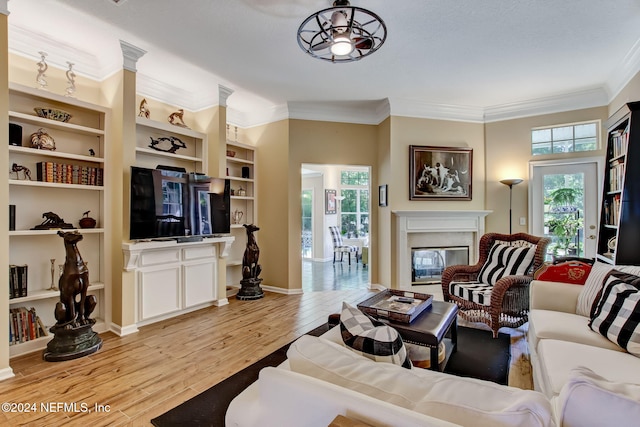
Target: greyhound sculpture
(250, 267)
(74, 281)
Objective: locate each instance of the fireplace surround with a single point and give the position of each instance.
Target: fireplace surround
(414, 229)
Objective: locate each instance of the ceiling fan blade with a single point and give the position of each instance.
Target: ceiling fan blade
(363, 43)
(322, 45)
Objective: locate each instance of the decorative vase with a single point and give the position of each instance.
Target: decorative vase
(86, 221)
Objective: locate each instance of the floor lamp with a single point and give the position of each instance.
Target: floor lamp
(510, 182)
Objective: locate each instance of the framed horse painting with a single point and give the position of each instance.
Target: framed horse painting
(440, 173)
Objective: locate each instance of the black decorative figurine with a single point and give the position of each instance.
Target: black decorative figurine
(250, 283)
(52, 221)
(73, 333)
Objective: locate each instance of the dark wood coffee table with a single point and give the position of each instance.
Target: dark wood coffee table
(430, 328)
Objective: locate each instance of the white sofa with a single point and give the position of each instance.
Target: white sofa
(581, 379)
(589, 380)
(322, 379)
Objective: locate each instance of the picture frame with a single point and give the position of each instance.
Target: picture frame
(382, 195)
(330, 202)
(440, 173)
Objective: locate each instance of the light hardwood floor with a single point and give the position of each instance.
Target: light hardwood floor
(143, 375)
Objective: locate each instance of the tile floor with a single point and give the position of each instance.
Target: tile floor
(326, 276)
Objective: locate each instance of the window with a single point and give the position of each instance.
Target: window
(354, 207)
(565, 138)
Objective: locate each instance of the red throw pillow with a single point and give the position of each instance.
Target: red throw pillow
(574, 272)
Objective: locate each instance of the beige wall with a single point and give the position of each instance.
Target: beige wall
(406, 131)
(508, 152)
(325, 143)
(273, 189)
(383, 238)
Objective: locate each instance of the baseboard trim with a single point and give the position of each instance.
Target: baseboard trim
(377, 287)
(121, 331)
(6, 373)
(282, 290)
(221, 302)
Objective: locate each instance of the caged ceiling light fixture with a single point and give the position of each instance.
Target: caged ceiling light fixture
(342, 33)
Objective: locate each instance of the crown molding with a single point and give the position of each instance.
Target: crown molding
(173, 95)
(358, 112)
(624, 72)
(223, 94)
(596, 97)
(426, 110)
(4, 7)
(257, 117)
(27, 43)
(130, 55)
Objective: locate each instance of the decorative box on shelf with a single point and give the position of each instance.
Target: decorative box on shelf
(396, 305)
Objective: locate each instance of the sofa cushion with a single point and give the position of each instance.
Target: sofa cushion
(557, 325)
(589, 400)
(463, 401)
(558, 358)
(618, 312)
(594, 283)
(371, 338)
(505, 260)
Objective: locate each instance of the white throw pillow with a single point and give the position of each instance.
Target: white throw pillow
(589, 400)
(594, 283)
(463, 401)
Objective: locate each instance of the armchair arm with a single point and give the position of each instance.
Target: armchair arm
(506, 283)
(458, 273)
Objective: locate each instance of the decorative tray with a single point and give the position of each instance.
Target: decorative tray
(396, 305)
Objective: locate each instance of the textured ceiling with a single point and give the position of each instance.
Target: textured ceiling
(460, 54)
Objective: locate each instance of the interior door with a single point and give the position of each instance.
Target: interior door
(549, 178)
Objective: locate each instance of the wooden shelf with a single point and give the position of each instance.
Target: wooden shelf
(46, 294)
(237, 160)
(54, 124)
(168, 127)
(27, 183)
(620, 210)
(156, 153)
(54, 154)
(54, 232)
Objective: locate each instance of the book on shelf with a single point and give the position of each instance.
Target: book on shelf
(60, 173)
(25, 325)
(18, 279)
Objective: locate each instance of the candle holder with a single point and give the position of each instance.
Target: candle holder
(53, 287)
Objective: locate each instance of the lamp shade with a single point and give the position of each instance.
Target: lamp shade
(511, 181)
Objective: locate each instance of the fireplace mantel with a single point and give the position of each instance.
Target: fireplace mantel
(433, 221)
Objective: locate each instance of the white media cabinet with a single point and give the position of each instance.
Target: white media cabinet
(174, 278)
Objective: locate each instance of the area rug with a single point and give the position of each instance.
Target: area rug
(478, 356)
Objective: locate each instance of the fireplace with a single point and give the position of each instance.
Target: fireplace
(433, 229)
(427, 264)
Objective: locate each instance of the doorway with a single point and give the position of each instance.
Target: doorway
(334, 196)
(564, 199)
(307, 223)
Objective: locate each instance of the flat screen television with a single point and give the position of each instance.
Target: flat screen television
(169, 203)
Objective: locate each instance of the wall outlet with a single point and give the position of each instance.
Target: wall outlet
(523, 220)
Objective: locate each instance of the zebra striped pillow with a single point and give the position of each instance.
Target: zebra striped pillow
(617, 315)
(505, 260)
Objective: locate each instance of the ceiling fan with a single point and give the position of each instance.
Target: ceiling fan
(342, 33)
